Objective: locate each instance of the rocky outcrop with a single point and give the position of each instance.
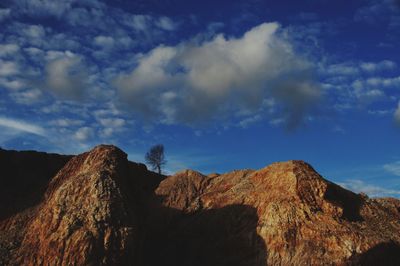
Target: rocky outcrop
(86, 217)
(302, 219)
(101, 209)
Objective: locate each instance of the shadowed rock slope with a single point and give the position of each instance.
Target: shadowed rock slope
(101, 209)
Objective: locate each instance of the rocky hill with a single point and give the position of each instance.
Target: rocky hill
(101, 209)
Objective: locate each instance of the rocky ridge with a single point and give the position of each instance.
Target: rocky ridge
(101, 209)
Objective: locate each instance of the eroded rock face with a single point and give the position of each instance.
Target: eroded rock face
(87, 215)
(302, 219)
(101, 209)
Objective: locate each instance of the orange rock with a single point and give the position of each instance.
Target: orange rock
(101, 209)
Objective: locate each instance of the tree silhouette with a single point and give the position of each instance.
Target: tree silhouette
(155, 157)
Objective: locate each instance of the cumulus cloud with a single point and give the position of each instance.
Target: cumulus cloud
(27, 97)
(166, 23)
(8, 68)
(8, 49)
(4, 13)
(104, 41)
(110, 125)
(112, 122)
(146, 22)
(380, 66)
(66, 78)
(355, 68)
(345, 69)
(34, 31)
(366, 93)
(371, 89)
(43, 8)
(13, 84)
(83, 134)
(21, 126)
(193, 82)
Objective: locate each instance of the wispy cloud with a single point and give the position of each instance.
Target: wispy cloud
(22, 126)
(357, 185)
(393, 168)
(379, 66)
(43, 8)
(4, 13)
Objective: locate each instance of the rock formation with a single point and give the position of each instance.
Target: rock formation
(101, 209)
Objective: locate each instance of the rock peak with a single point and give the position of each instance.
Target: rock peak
(84, 212)
(106, 147)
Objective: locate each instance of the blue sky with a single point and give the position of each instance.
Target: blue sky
(222, 84)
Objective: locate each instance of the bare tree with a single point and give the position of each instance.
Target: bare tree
(155, 157)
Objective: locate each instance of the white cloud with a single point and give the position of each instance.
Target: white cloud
(368, 96)
(377, 11)
(22, 126)
(104, 41)
(27, 97)
(250, 120)
(83, 134)
(137, 22)
(14, 84)
(111, 126)
(357, 83)
(8, 49)
(4, 13)
(111, 110)
(380, 66)
(34, 31)
(192, 82)
(371, 190)
(107, 132)
(166, 23)
(54, 54)
(379, 112)
(66, 77)
(369, 90)
(112, 122)
(393, 168)
(8, 68)
(354, 69)
(383, 82)
(372, 89)
(346, 69)
(66, 122)
(43, 8)
(397, 114)
(33, 51)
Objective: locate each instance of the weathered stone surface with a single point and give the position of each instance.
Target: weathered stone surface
(85, 217)
(302, 218)
(101, 209)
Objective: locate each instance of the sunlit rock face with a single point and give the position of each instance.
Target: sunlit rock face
(101, 209)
